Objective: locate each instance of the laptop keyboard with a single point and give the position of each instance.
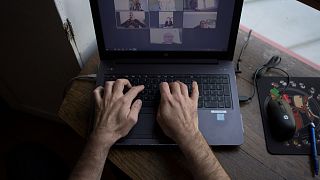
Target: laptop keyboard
(214, 89)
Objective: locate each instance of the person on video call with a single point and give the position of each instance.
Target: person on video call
(135, 5)
(193, 4)
(168, 38)
(167, 5)
(132, 22)
(117, 112)
(168, 22)
(203, 25)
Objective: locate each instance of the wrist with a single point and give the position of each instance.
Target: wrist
(104, 139)
(189, 138)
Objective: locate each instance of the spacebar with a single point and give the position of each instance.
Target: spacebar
(147, 110)
(148, 103)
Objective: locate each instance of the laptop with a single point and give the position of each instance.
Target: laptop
(150, 41)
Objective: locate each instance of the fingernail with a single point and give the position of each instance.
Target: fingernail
(139, 101)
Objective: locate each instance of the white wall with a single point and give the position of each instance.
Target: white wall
(79, 13)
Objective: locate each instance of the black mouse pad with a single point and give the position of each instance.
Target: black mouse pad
(303, 95)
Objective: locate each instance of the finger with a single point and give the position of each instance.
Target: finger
(97, 95)
(175, 88)
(134, 111)
(133, 92)
(165, 90)
(184, 89)
(108, 85)
(119, 86)
(195, 91)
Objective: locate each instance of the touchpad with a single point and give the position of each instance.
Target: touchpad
(144, 127)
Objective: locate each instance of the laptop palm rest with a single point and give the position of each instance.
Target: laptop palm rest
(144, 127)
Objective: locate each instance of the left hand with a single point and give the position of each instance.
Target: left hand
(116, 114)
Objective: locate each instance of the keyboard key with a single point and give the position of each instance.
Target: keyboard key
(214, 98)
(205, 81)
(211, 104)
(147, 104)
(147, 86)
(226, 90)
(227, 101)
(213, 89)
(213, 92)
(225, 81)
(144, 92)
(212, 81)
(155, 86)
(219, 81)
(200, 104)
(146, 98)
(206, 86)
(213, 86)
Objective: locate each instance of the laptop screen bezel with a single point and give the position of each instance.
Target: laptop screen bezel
(166, 56)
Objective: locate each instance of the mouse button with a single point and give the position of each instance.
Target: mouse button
(285, 106)
(280, 105)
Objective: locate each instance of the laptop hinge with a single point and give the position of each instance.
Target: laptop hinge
(113, 63)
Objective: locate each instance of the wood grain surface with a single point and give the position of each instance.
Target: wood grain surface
(248, 161)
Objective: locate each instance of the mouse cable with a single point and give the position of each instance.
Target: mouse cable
(88, 77)
(271, 64)
(237, 70)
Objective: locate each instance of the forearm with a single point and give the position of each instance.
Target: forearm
(92, 160)
(204, 164)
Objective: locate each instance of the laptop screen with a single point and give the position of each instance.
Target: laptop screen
(166, 25)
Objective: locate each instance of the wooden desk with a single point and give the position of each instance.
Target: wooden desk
(249, 161)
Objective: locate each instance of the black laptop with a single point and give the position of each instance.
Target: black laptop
(151, 41)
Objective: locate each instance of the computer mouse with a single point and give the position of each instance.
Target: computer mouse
(281, 120)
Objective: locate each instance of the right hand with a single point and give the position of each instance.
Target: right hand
(177, 114)
(116, 112)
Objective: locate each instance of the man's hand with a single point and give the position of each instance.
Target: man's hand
(177, 113)
(116, 114)
(178, 118)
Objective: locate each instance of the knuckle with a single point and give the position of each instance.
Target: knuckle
(132, 119)
(184, 86)
(164, 83)
(167, 98)
(122, 100)
(95, 91)
(118, 81)
(134, 88)
(109, 83)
